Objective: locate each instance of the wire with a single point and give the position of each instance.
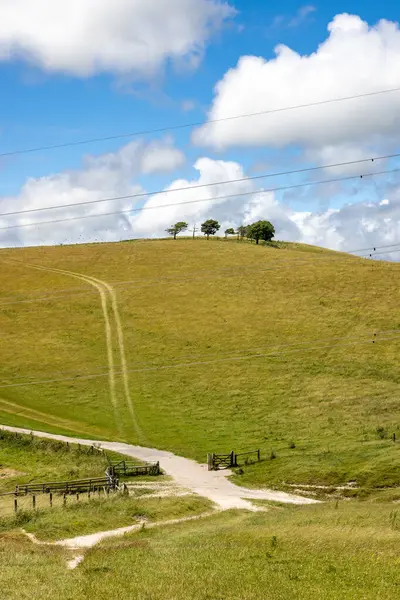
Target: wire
(78, 291)
(195, 124)
(217, 198)
(243, 350)
(202, 185)
(372, 248)
(377, 253)
(190, 364)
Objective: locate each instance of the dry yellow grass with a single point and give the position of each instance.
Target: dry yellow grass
(193, 301)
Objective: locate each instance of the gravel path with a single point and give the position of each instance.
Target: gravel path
(189, 474)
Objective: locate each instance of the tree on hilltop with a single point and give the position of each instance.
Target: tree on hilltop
(242, 231)
(177, 228)
(210, 227)
(229, 231)
(261, 230)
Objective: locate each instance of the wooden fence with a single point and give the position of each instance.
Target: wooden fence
(251, 456)
(68, 487)
(129, 469)
(220, 461)
(64, 488)
(216, 462)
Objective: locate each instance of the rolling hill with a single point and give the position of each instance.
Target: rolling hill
(196, 346)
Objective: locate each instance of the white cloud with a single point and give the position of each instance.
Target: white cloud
(188, 105)
(154, 222)
(86, 37)
(354, 59)
(301, 15)
(360, 224)
(104, 176)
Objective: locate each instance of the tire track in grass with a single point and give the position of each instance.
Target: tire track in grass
(124, 366)
(40, 417)
(100, 286)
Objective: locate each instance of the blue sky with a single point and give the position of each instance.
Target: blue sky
(45, 106)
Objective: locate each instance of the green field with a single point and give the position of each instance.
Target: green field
(349, 550)
(326, 389)
(26, 459)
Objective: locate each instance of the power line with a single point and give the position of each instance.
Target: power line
(372, 248)
(217, 198)
(243, 350)
(208, 275)
(203, 185)
(194, 124)
(379, 253)
(189, 364)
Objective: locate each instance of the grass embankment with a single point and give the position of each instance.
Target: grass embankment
(336, 399)
(25, 459)
(28, 459)
(330, 552)
(103, 515)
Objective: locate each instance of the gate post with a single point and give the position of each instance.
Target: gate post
(209, 461)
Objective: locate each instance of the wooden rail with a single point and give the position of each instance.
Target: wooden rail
(220, 461)
(130, 469)
(68, 487)
(249, 453)
(216, 462)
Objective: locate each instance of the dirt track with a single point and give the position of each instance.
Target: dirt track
(189, 474)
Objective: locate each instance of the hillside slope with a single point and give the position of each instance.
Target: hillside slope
(327, 388)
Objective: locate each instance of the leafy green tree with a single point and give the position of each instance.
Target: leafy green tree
(229, 231)
(242, 231)
(261, 230)
(210, 227)
(177, 228)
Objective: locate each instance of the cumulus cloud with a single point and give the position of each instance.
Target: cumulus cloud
(354, 59)
(105, 176)
(364, 223)
(357, 225)
(87, 37)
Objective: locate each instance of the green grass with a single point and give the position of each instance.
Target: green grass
(102, 515)
(198, 301)
(330, 552)
(26, 459)
(307, 552)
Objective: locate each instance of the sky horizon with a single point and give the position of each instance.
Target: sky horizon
(85, 70)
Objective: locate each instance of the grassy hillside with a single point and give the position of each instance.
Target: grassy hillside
(185, 301)
(332, 552)
(26, 459)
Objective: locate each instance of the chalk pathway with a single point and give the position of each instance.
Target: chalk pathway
(187, 473)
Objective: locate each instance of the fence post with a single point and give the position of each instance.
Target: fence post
(33, 502)
(51, 498)
(258, 455)
(16, 503)
(65, 499)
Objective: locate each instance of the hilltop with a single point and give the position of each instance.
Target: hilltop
(315, 391)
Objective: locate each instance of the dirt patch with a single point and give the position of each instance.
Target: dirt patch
(5, 473)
